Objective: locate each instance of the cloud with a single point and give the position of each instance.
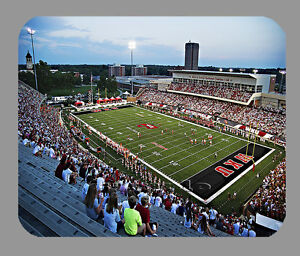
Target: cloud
(159, 39)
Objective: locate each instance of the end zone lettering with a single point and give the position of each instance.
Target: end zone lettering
(226, 172)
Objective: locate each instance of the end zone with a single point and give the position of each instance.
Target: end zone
(221, 175)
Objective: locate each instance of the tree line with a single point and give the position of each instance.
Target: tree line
(65, 79)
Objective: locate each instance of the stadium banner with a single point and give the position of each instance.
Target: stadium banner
(259, 133)
(197, 114)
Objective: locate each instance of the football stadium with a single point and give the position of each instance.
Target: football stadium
(201, 155)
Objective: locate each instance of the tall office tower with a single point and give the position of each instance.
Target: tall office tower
(191, 56)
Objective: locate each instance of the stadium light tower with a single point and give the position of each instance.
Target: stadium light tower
(230, 70)
(131, 46)
(31, 33)
(220, 69)
(255, 71)
(282, 72)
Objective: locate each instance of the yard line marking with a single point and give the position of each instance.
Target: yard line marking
(172, 141)
(203, 127)
(203, 158)
(178, 145)
(144, 138)
(185, 150)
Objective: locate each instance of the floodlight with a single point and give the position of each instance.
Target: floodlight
(131, 45)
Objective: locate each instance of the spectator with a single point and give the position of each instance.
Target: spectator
(188, 218)
(100, 181)
(83, 170)
(168, 203)
(125, 204)
(142, 194)
(143, 209)
(61, 166)
(180, 210)
(204, 227)
(112, 219)
(212, 216)
(245, 231)
(252, 233)
(175, 206)
(85, 188)
(92, 205)
(236, 228)
(158, 201)
(133, 222)
(37, 151)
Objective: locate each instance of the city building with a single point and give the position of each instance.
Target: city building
(116, 70)
(191, 56)
(139, 70)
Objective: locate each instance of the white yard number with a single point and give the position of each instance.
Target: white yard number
(156, 153)
(174, 163)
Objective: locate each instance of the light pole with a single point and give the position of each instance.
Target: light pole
(31, 32)
(92, 96)
(131, 46)
(282, 72)
(255, 71)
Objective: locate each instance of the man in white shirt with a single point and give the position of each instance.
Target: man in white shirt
(142, 194)
(66, 175)
(100, 182)
(26, 142)
(51, 153)
(158, 201)
(174, 206)
(37, 151)
(212, 216)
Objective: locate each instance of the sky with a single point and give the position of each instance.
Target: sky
(246, 42)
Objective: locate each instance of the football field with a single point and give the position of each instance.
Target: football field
(193, 165)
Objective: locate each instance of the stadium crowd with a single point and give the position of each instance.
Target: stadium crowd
(212, 90)
(40, 128)
(268, 119)
(270, 199)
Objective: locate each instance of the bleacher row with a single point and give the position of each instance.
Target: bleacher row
(50, 207)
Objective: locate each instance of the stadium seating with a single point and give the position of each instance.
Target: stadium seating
(59, 211)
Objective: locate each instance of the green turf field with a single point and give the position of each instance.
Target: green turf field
(181, 159)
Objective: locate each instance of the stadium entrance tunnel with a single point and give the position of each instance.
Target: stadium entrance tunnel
(212, 179)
